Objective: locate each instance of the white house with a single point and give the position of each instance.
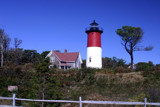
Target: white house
(65, 60)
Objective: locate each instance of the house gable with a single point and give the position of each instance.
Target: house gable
(54, 60)
(62, 60)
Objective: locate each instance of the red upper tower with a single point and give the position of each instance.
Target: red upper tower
(94, 35)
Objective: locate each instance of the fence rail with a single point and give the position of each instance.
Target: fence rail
(80, 102)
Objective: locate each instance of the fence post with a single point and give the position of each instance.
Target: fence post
(80, 103)
(14, 102)
(145, 100)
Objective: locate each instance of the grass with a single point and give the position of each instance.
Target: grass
(106, 85)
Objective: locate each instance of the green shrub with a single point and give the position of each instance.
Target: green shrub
(112, 62)
(142, 66)
(154, 94)
(89, 75)
(152, 75)
(140, 98)
(102, 82)
(157, 67)
(121, 69)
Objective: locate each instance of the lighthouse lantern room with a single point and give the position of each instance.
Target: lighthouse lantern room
(94, 50)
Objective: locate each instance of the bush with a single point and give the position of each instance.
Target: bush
(112, 62)
(121, 70)
(154, 94)
(140, 98)
(89, 75)
(157, 67)
(152, 76)
(102, 82)
(142, 66)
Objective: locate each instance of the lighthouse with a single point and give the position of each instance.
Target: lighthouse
(94, 50)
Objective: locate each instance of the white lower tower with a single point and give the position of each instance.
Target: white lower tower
(94, 50)
(94, 57)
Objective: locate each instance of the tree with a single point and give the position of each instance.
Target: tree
(42, 69)
(6, 44)
(2, 40)
(18, 52)
(30, 56)
(44, 54)
(17, 43)
(112, 62)
(131, 36)
(83, 65)
(48, 84)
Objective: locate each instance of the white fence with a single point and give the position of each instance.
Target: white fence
(80, 102)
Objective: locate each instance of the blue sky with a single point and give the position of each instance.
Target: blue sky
(60, 24)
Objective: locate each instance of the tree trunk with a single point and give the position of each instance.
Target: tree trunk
(43, 89)
(16, 57)
(131, 60)
(1, 55)
(42, 105)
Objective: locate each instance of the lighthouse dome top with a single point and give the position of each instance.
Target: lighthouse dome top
(94, 23)
(94, 28)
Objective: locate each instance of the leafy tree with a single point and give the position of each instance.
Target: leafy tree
(44, 54)
(143, 66)
(112, 62)
(121, 62)
(46, 82)
(57, 50)
(131, 36)
(83, 65)
(106, 62)
(30, 56)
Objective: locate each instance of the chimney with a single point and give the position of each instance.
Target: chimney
(65, 50)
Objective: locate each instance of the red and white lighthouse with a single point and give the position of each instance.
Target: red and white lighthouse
(94, 50)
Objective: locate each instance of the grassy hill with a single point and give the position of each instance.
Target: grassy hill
(90, 84)
(93, 84)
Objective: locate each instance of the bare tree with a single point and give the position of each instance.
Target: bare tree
(2, 36)
(17, 43)
(6, 47)
(6, 43)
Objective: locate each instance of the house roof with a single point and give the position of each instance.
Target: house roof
(67, 56)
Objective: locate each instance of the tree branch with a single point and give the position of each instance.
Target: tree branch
(126, 47)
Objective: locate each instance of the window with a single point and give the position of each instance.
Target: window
(62, 67)
(52, 59)
(51, 66)
(90, 59)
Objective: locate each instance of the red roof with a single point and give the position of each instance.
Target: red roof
(67, 57)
